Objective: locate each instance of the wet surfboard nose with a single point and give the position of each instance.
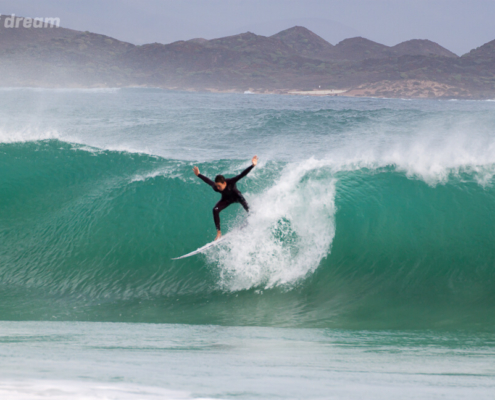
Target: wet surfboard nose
(202, 249)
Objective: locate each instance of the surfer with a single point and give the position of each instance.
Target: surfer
(229, 191)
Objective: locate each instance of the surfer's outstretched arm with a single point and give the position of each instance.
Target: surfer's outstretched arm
(204, 178)
(254, 161)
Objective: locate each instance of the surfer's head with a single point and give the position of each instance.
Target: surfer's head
(220, 182)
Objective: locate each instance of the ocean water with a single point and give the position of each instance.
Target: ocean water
(366, 269)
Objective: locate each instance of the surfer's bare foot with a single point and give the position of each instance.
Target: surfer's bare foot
(219, 234)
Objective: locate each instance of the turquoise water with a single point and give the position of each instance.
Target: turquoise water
(371, 233)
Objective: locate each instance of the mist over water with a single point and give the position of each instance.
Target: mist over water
(366, 213)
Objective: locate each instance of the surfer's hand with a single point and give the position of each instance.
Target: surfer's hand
(219, 235)
(196, 171)
(255, 160)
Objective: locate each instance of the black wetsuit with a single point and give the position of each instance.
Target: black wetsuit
(229, 195)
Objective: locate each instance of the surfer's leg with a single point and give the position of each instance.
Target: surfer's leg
(216, 212)
(243, 202)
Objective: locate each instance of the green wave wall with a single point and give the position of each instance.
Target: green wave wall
(89, 235)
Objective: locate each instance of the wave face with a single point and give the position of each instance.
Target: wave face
(89, 235)
(365, 214)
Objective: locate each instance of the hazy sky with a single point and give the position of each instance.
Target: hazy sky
(458, 25)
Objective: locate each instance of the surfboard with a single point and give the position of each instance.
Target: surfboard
(202, 249)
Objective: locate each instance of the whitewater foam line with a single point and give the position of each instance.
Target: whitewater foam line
(67, 390)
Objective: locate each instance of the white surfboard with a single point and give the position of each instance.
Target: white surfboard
(201, 249)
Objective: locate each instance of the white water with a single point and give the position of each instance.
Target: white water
(289, 231)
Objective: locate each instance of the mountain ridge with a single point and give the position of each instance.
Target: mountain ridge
(293, 60)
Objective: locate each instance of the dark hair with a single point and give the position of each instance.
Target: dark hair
(219, 179)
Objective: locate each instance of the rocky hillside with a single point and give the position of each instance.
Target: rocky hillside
(485, 53)
(417, 47)
(305, 43)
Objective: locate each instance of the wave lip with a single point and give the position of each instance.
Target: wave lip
(28, 135)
